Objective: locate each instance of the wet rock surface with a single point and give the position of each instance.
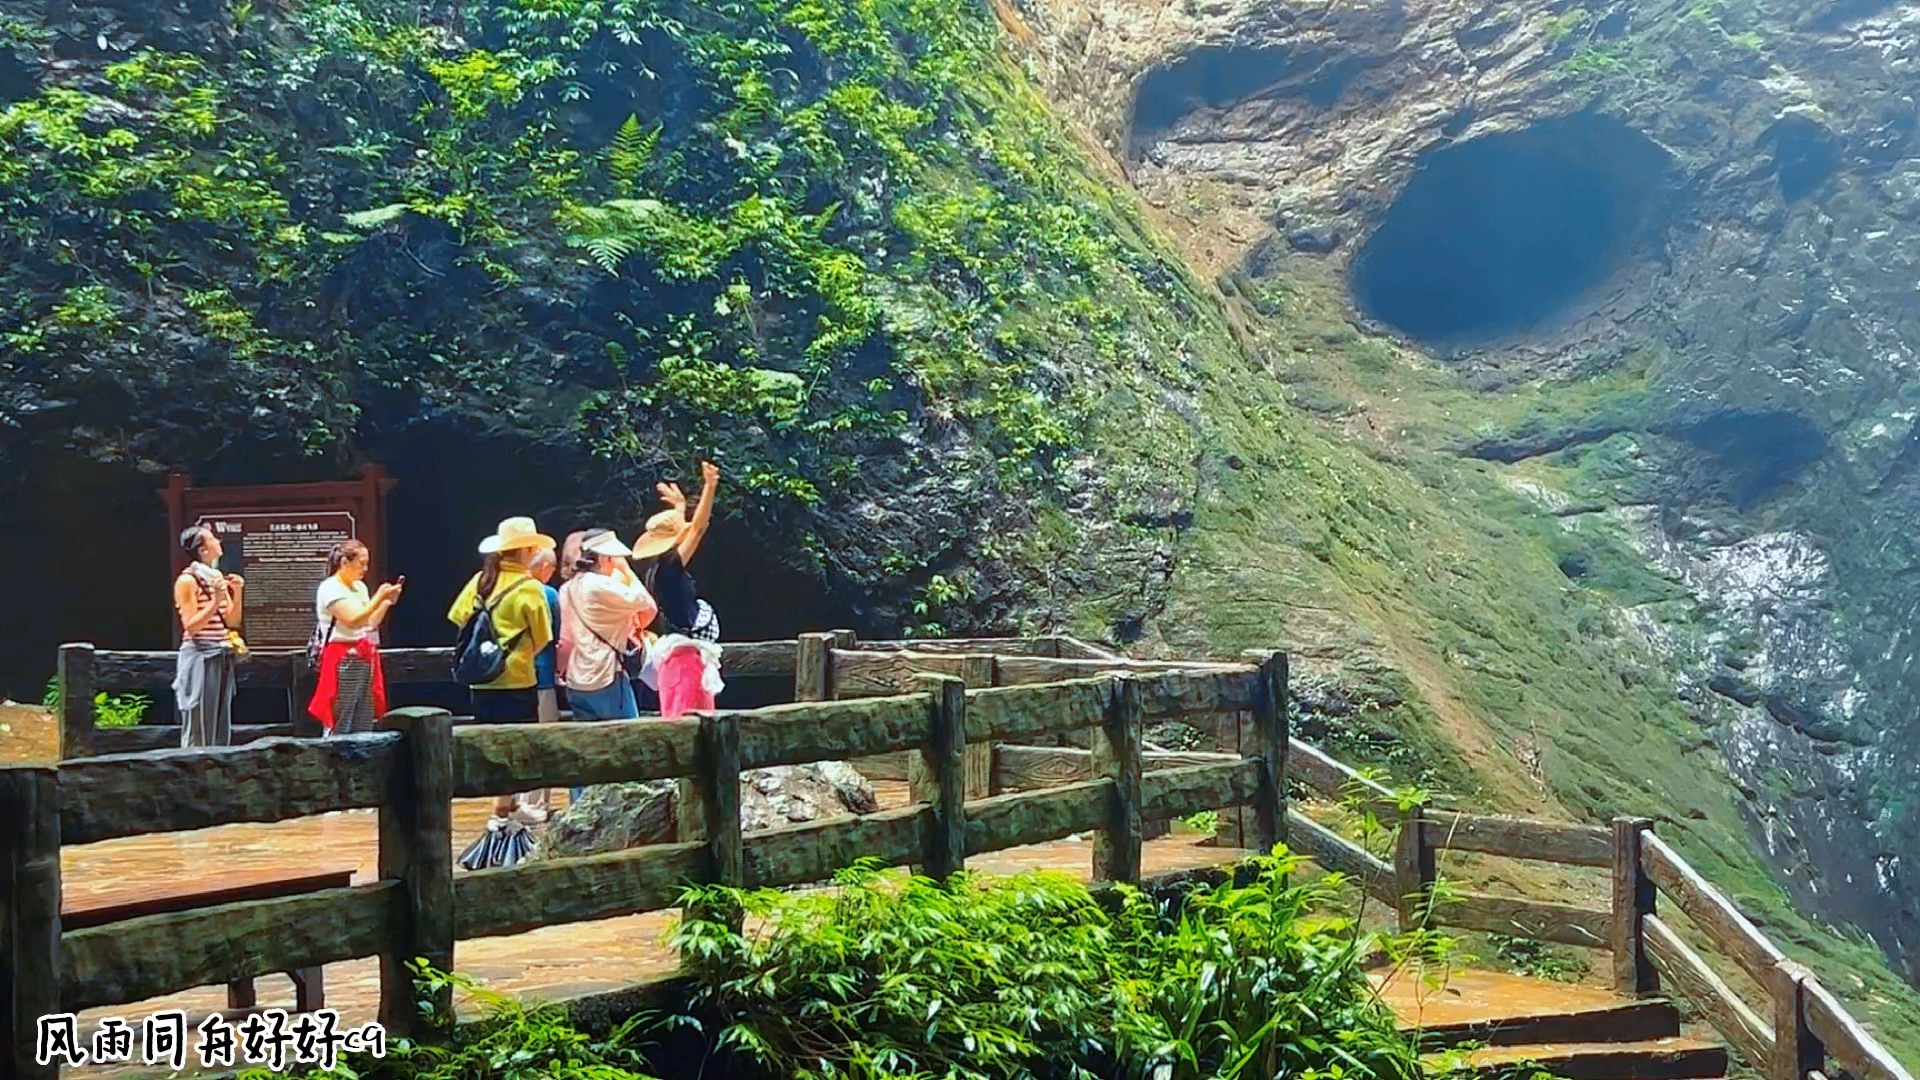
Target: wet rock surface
(614, 817)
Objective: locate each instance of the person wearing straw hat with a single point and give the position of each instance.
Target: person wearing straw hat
(683, 662)
(524, 624)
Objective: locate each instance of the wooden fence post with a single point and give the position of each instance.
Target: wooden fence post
(1265, 737)
(77, 689)
(416, 849)
(1117, 757)
(1796, 1050)
(937, 775)
(813, 668)
(845, 639)
(29, 916)
(1634, 898)
(1414, 869)
(710, 811)
(979, 673)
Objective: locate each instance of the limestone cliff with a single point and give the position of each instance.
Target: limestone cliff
(1684, 232)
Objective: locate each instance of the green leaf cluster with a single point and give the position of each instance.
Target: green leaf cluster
(1030, 976)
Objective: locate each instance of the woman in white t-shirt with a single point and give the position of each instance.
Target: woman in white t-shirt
(352, 695)
(601, 606)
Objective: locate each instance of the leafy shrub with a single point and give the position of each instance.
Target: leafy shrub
(109, 710)
(516, 1041)
(1031, 976)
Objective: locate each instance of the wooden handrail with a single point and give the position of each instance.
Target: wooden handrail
(973, 700)
(411, 773)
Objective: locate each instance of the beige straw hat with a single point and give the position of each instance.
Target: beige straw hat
(663, 531)
(516, 534)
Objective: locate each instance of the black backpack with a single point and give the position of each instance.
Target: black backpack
(479, 656)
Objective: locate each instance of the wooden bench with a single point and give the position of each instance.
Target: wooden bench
(133, 900)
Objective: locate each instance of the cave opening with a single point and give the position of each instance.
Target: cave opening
(456, 485)
(1217, 76)
(1510, 234)
(89, 541)
(95, 536)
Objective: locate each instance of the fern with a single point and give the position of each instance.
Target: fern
(609, 251)
(378, 216)
(631, 151)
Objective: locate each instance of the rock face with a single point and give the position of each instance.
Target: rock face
(614, 817)
(1722, 192)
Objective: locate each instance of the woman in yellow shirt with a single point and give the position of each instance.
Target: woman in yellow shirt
(524, 625)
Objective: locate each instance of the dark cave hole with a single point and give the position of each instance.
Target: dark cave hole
(1748, 454)
(441, 511)
(1805, 154)
(1217, 76)
(1506, 234)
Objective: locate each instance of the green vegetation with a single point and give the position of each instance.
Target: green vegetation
(977, 978)
(771, 231)
(1423, 582)
(109, 710)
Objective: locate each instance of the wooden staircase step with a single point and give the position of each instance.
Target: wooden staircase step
(1470, 1005)
(1672, 1058)
(1592, 1022)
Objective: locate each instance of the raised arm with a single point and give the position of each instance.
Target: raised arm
(702, 513)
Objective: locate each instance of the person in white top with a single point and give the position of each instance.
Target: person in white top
(602, 605)
(351, 696)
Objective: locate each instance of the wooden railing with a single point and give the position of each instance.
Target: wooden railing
(1800, 1031)
(413, 772)
(84, 671)
(948, 707)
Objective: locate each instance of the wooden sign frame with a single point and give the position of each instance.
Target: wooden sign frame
(363, 500)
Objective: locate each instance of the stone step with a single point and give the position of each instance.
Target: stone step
(1672, 1058)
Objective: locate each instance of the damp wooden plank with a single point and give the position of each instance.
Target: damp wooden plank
(1029, 670)
(1035, 817)
(147, 738)
(833, 731)
(870, 673)
(800, 854)
(1024, 768)
(148, 957)
(1710, 910)
(1023, 713)
(496, 759)
(1182, 792)
(1519, 838)
(153, 670)
(1335, 852)
(1331, 778)
(1029, 646)
(176, 790)
(1716, 1001)
(1846, 1040)
(1562, 924)
(550, 892)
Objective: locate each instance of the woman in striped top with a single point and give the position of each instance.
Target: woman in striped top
(209, 604)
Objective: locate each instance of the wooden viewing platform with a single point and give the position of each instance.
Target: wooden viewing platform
(971, 720)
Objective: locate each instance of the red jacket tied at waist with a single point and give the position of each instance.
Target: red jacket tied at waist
(329, 688)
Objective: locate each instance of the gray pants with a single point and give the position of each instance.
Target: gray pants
(203, 684)
(353, 700)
